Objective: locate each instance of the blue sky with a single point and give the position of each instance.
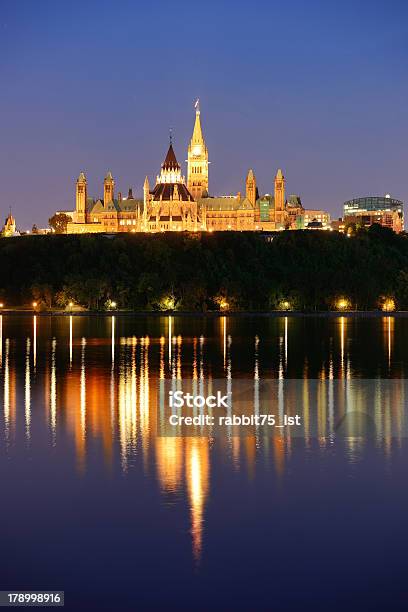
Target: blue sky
(318, 88)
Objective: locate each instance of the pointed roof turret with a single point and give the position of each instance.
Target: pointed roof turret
(279, 174)
(171, 163)
(109, 176)
(82, 177)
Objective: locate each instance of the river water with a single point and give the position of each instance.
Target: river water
(97, 502)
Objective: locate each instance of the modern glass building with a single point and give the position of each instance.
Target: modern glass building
(384, 210)
(386, 203)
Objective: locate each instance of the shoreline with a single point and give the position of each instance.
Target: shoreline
(210, 314)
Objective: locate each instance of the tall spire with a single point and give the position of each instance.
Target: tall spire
(250, 187)
(197, 137)
(197, 162)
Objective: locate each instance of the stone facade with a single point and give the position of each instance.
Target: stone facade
(177, 204)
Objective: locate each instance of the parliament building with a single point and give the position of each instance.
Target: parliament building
(177, 204)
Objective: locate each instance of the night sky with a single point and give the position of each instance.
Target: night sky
(318, 88)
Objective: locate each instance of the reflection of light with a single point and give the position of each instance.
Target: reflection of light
(195, 374)
(162, 343)
(128, 402)
(197, 481)
(256, 379)
(144, 393)
(389, 324)
(83, 390)
(6, 389)
(70, 340)
(113, 339)
(1, 341)
(224, 336)
(53, 389)
(342, 323)
(286, 341)
(170, 338)
(179, 344)
(169, 461)
(27, 389)
(34, 341)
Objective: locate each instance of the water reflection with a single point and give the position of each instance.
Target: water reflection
(106, 383)
(27, 389)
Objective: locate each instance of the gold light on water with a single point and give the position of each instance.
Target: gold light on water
(27, 390)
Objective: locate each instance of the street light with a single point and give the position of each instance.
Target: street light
(389, 305)
(34, 304)
(342, 304)
(1, 305)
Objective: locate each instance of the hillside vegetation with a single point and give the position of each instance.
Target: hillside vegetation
(302, 270)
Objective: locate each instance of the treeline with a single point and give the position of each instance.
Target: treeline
(301, 270)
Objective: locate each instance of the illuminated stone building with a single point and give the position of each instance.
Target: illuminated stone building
(170, 206)
(9, 227)
(177, 204)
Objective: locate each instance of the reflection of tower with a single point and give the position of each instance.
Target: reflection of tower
(80, 200)
(250, 186)
(279, 199)
(197, 161)
(108, 189)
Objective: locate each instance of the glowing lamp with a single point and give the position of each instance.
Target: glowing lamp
(389, 305)
(342, 304)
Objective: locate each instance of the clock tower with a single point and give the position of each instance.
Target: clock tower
(197, 162)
